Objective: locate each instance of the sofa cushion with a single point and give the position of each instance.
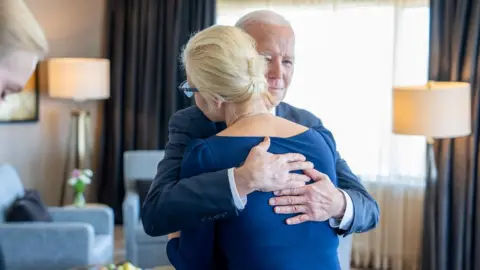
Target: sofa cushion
(102, 249)
(29, 207)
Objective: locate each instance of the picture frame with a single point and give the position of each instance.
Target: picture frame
(22, 107)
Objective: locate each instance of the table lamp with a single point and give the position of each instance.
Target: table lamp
(78, 79)
(437, 110)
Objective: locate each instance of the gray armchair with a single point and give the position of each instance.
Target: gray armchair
(141, 249)
(76, 237)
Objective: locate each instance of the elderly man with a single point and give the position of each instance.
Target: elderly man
(173, 204)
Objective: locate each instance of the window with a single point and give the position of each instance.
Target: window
(347, 59)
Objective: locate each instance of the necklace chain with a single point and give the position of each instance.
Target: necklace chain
(245, 116)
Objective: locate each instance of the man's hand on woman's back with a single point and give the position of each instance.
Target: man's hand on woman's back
(263, 171)
(318, 201)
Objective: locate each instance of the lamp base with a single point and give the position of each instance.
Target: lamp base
(78, 149)
(430, 227)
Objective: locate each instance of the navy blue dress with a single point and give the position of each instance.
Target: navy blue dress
(258, 238)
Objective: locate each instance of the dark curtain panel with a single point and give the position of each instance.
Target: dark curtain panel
(145, 41)
(452, 237)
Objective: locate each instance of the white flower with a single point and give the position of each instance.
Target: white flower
(72, 181)
(85, 179)
(88, 172)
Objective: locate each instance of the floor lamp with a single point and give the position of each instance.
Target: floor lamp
(80, 80)
(437, 110)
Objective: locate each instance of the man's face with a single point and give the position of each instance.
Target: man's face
(277, 44)
(15, 70)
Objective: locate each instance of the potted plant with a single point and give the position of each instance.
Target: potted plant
(79, 179)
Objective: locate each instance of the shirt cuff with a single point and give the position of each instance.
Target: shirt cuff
(346, 221)
(239, 202)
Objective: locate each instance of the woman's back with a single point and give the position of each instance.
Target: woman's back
(259, 238)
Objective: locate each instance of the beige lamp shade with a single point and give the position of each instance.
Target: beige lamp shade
(79, 79)
(436, 110)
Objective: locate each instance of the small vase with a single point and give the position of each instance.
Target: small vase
(79, 200)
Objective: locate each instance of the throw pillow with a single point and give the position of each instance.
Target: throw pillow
(28, 208)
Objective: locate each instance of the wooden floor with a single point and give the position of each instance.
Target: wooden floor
(119, 245)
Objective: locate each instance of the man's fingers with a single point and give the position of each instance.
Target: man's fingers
(299, 165)
(296, 177)
(290, 157)
(292, 184)
(291, 209)
(315, 175)
(298, 219)
(288, 200)
(263, 146)
(290, 191)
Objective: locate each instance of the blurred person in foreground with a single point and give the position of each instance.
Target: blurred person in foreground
(22, 45)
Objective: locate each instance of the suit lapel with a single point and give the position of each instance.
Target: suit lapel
(283, 111)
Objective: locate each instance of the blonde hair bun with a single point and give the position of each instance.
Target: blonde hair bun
(223, 63)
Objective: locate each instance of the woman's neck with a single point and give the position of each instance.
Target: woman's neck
(237, 111)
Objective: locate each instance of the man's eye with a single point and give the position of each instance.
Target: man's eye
(288, 62)
(268, 58)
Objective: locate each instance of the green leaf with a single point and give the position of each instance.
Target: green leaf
(79, 187)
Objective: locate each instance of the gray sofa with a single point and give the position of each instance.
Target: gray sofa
(76, 237)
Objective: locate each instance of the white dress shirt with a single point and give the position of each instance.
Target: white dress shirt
(342, 224)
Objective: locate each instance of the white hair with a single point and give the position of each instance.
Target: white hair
(262, 16)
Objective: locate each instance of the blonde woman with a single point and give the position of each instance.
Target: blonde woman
(22, 45)
(225, 74)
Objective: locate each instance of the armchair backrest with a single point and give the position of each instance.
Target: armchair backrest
(140, 165)
(11, 188)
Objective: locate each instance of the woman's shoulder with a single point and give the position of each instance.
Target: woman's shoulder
(196, 145)
(326, 135)
(322, 130)
(197, 158)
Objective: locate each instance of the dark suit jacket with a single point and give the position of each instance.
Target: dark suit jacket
(2, 260)
(173, 204)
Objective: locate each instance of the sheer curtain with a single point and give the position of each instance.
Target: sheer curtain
(349, 54)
